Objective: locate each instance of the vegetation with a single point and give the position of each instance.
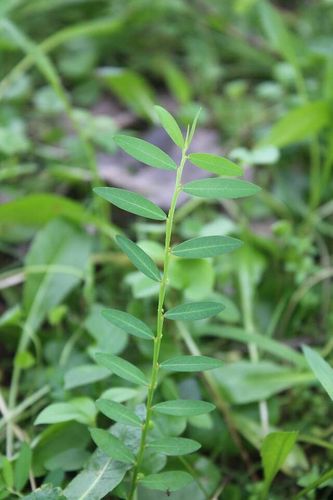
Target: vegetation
(157, 335)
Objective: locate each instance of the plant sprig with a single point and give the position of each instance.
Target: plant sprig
(211, 188)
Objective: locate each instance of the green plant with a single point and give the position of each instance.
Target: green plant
(200, 247)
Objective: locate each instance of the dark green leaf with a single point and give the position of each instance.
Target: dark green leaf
(122, 368)
(184, 407)
(145, 152)
(167, 481)
(118, 412)
(215, 164)
(112, 446)
(217, 188)
(194, 311)
(139, 258)
(174, 446)
(22, 467)
(170, 126)
(190, 364)
(131, 202)
(130, 324)
(321, 369)
(206, 246)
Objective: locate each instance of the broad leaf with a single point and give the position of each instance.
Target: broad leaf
(167, 481)
(22, 467)
(321, 369)
(60, 252)
(118, 412)
(217, 188)
(190, 364)
(174, 446)
(170, 126)
(84, 374)
(274, 451)
(139, 258)
(122, 368)
(215, 164)
(79, 409)
(130, 324)
(112, 446)
(131, 202)
(145, 152)
(194, 311)
(206, 246)
(184, 407)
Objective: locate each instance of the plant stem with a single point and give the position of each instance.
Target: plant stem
(159, 325)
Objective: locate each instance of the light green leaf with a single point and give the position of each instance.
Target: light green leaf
(190, 364)
(194, 311)
(84, 374)
(274, 451)
(122, 368)
(131, 202)
(79, 409)
(170, 126)
(139, 258)
(184, 407)
(174, 446)
(120, 394)
(112, 446)
(215, 164)
(216, 188)
(22, 467)
(118, 412)
(206, 246)
(321, 369)
(299, 124)
(167, 481)
(130, 324)
(145, 152)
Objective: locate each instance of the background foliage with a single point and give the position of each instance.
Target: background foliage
(73, 73)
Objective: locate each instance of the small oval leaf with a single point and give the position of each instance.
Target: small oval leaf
(145, 152)
(170, 126)
(167, 481)
(122, 368)
(206, 246)
(215, 164)
(174, 446)
(130, 324)
(139, 258)
(215, 189)
(131, 202)
(191, 364)
(112, 446)
(184, 407)
(118, 412)
(194, 311)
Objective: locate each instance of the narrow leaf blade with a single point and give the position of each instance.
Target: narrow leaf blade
(174, 446)
(167, 481)
(145, 152)
(131, 202)
(194, 311)
(190, 364)
(118, 412)
(170, 126)
(112, 446)
(122, 368)
(206, 246)
(184, 407)
(215, 189)
(321, 369)
(274, 451)
(139, 258)
(215, 164)
(130, 324)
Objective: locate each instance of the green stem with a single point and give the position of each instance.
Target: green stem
(159, 326)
